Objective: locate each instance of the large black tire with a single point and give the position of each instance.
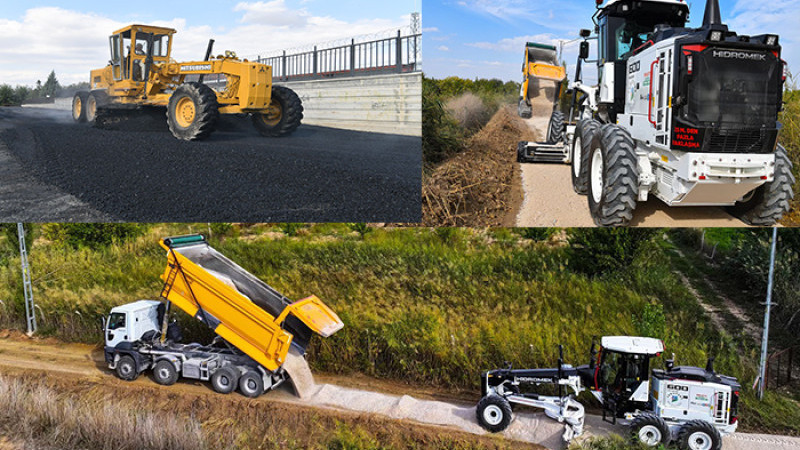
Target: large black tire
(79, 106)
(126, 368)
(613, 177)
(555, 131)
(650, 430)
(524, 109)
(770, 202)
(494, 413)
(581, 151)
(286, 116)
(251, 384)
(164, 373)
(225, 380)
(698, 434)
(94, 101)
(192, 112)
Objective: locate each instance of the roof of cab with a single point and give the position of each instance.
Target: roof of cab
(149, 28)
(633, 344)
(136, 306)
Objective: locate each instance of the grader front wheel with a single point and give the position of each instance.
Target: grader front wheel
(192, 112)
(283, 116)
(79, 106)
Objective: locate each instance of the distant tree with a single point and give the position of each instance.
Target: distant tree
(22, 93)
(51, 86)
(7, 97)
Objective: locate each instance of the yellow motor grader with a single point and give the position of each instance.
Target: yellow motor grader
(142, 74)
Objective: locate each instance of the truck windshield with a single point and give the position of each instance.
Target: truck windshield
(116, 321)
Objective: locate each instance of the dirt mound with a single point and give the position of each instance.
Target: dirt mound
(475, 188)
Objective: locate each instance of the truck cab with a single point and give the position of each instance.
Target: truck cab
(128, 323)
(129, 50)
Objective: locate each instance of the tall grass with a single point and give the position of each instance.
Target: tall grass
(790, 138)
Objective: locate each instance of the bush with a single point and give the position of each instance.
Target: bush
(651, 322)
(361, 228)
(469, 111)
(537, 234)
(91, 235)
(441, 135)
(596, 251)
(220, 229)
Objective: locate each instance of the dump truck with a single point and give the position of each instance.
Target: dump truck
(542, 77)
(141, 74)
(257, 328)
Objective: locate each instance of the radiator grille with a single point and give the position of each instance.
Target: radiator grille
(738, 141)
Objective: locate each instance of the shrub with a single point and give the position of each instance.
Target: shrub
(536, 234)
(91, 234)
(595, 251)
(469, 111)
(441, 135)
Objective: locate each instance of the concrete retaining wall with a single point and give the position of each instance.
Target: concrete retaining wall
(380, 104)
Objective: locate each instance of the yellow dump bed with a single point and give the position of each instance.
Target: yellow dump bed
(243, 310)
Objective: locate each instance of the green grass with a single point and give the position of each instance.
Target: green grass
(421, 306)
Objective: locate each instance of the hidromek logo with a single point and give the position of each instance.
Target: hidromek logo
(739, 55)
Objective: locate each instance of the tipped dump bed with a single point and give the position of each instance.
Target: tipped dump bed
(542, 53)
(245, 311)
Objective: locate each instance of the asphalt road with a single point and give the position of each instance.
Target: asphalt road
(550, 200)
(137, 171)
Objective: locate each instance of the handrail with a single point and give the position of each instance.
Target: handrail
(650, 98)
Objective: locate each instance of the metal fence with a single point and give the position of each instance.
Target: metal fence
(783, 369)
(400, 54)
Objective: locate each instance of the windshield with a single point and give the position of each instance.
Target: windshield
(160, 45)
(116, 321)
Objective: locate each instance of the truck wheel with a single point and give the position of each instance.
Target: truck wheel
(524, 109)
(165, 373)
(581, 151)
(192, 112)
(613, 177)
(79, 106)
(94, 101)
(251, 384)
(650, 430)
(699, 435)
(767, 204)
(555, 132)
(224, 380)
(283, 116)
(494, 413)
(126, 368)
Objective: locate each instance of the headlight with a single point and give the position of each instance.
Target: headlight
(772, 39)
(717, 36)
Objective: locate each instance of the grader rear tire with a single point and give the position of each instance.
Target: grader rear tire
(555, 131)
(79, 106)
(699, 435)
(192, 112)
(581, 153)
(284, 116)
(770, 202)
(613, 177)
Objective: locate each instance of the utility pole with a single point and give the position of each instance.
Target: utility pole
(765, 339)
(30, 313)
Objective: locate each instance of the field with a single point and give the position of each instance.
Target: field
(429, 307)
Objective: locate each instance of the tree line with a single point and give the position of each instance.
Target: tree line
(51, 88)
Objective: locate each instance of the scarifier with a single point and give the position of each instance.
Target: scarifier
(689, 406)
(141, 74)
(258, 329)
(687, 115)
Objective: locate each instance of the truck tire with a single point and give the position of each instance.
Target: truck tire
(768, 203)
(79, 106)
(251, 384)
(126, 368)
(613, 177)
(225, 380)
(494, 413)
(699, 435)
(555, 131)
(524, 109)
(649, 430)
(192, 112)
(164, 373)
(581, 151)
(284, 116)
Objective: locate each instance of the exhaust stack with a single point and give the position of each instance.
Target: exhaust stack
(712, 16)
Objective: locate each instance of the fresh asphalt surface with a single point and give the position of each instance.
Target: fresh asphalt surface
(137, 171)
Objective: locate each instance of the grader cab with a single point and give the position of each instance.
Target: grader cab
(141, 73)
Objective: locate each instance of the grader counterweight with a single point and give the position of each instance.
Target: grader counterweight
(141, 73)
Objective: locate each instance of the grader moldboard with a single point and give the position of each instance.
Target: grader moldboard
(141, 74)
(688, 115)
(692, 407)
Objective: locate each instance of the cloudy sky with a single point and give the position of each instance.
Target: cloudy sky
(71, 37)
(485, 38)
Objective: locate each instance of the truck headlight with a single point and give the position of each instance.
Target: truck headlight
(716, 36)
(772, 39)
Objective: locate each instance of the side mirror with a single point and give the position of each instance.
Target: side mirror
(585, 33)
(584, 51)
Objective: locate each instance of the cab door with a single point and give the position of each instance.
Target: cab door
(115, 43)
(117, 329)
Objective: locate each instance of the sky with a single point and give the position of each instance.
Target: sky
(71, 37)
(486, 38)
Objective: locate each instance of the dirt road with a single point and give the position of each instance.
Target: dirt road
(137, 171)
(86, 362)
(550, 200)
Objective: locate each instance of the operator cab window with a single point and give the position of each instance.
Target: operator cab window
(116, 321)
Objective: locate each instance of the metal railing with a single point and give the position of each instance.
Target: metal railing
(783, 368)
(400, 54)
